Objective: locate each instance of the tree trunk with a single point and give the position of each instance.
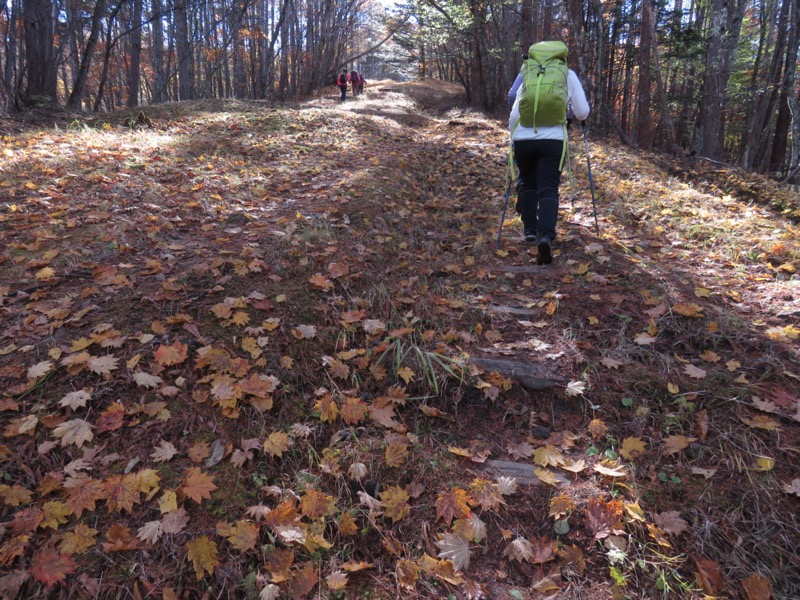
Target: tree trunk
(10, 68)
(725, 21)
(644, 128)
(76, 96)
(40, 65)
(784, 121)
(159, 76)
(135, 50)
(184, 49)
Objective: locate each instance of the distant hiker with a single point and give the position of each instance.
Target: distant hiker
(361, 82)
(342, 82)
(540, 95)
(354, 77)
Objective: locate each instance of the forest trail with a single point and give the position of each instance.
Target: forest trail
(224, 323)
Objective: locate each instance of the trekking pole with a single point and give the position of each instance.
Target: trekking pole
(509, 178)
(503, 217)
(591, 181)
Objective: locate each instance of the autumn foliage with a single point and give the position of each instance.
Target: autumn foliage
(229, 368)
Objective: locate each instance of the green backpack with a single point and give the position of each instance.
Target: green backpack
(544, 85)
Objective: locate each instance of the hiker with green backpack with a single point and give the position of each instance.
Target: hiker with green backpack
(543, 90)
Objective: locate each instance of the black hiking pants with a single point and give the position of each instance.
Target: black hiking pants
(540, 175)
(344, 91)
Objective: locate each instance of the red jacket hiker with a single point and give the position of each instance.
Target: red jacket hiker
(342, 80)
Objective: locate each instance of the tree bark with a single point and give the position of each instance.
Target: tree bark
(644, 128)
(184, 50)
(40, 65)
(9, 69)
(778, 159)
(725, 21)
(159, 75)
(135, 50)
(76, 96)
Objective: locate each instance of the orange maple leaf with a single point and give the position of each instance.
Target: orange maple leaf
(197, 485)
(120, 538)
(316, 505)
(84, 494)
(167, 356)
(122, 492)
(283, 515)
(354, 410)
(454, 504)
(603, 518)
(49, 566)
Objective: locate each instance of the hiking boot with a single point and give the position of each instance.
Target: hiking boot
(545, 251)
(530, 235)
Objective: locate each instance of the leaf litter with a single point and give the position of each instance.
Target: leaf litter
(220, 355)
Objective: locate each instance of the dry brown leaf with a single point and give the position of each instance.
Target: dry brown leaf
(203, 554)
(671, 522)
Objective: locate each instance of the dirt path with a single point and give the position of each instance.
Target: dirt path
(225, 324)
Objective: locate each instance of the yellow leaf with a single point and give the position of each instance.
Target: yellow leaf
(395, 503)
(676, 443)
(168, 502)
(762, 422)
(672, 388)
(79, 540)
(243, 535)
(203, 554)
(632, 447)
(277, 444)
(597, 428)
(765, 463)
(241, 318)
(546, 476)
(405, 374)
(688, 310)
(635, 511)
(45, 274)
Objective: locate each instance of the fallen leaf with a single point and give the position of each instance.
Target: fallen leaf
(453, 504)
(203, 554)
(671, 522)
(150, 532)
(164, 452)
(757, 587)
(395, 503)
(694, 372)
(519, 550)
(575, 388)
(455, 548)
(75, 399)
(675, 443)
(197, 485)
(688, 310)
(632, 447)
(76, 431)
(336, 580)
(762, 422)
(50, 567)
(709, 577)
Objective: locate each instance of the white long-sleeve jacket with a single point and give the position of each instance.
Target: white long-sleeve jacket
(576, 97)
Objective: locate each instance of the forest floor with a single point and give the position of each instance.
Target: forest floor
(245, 351)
